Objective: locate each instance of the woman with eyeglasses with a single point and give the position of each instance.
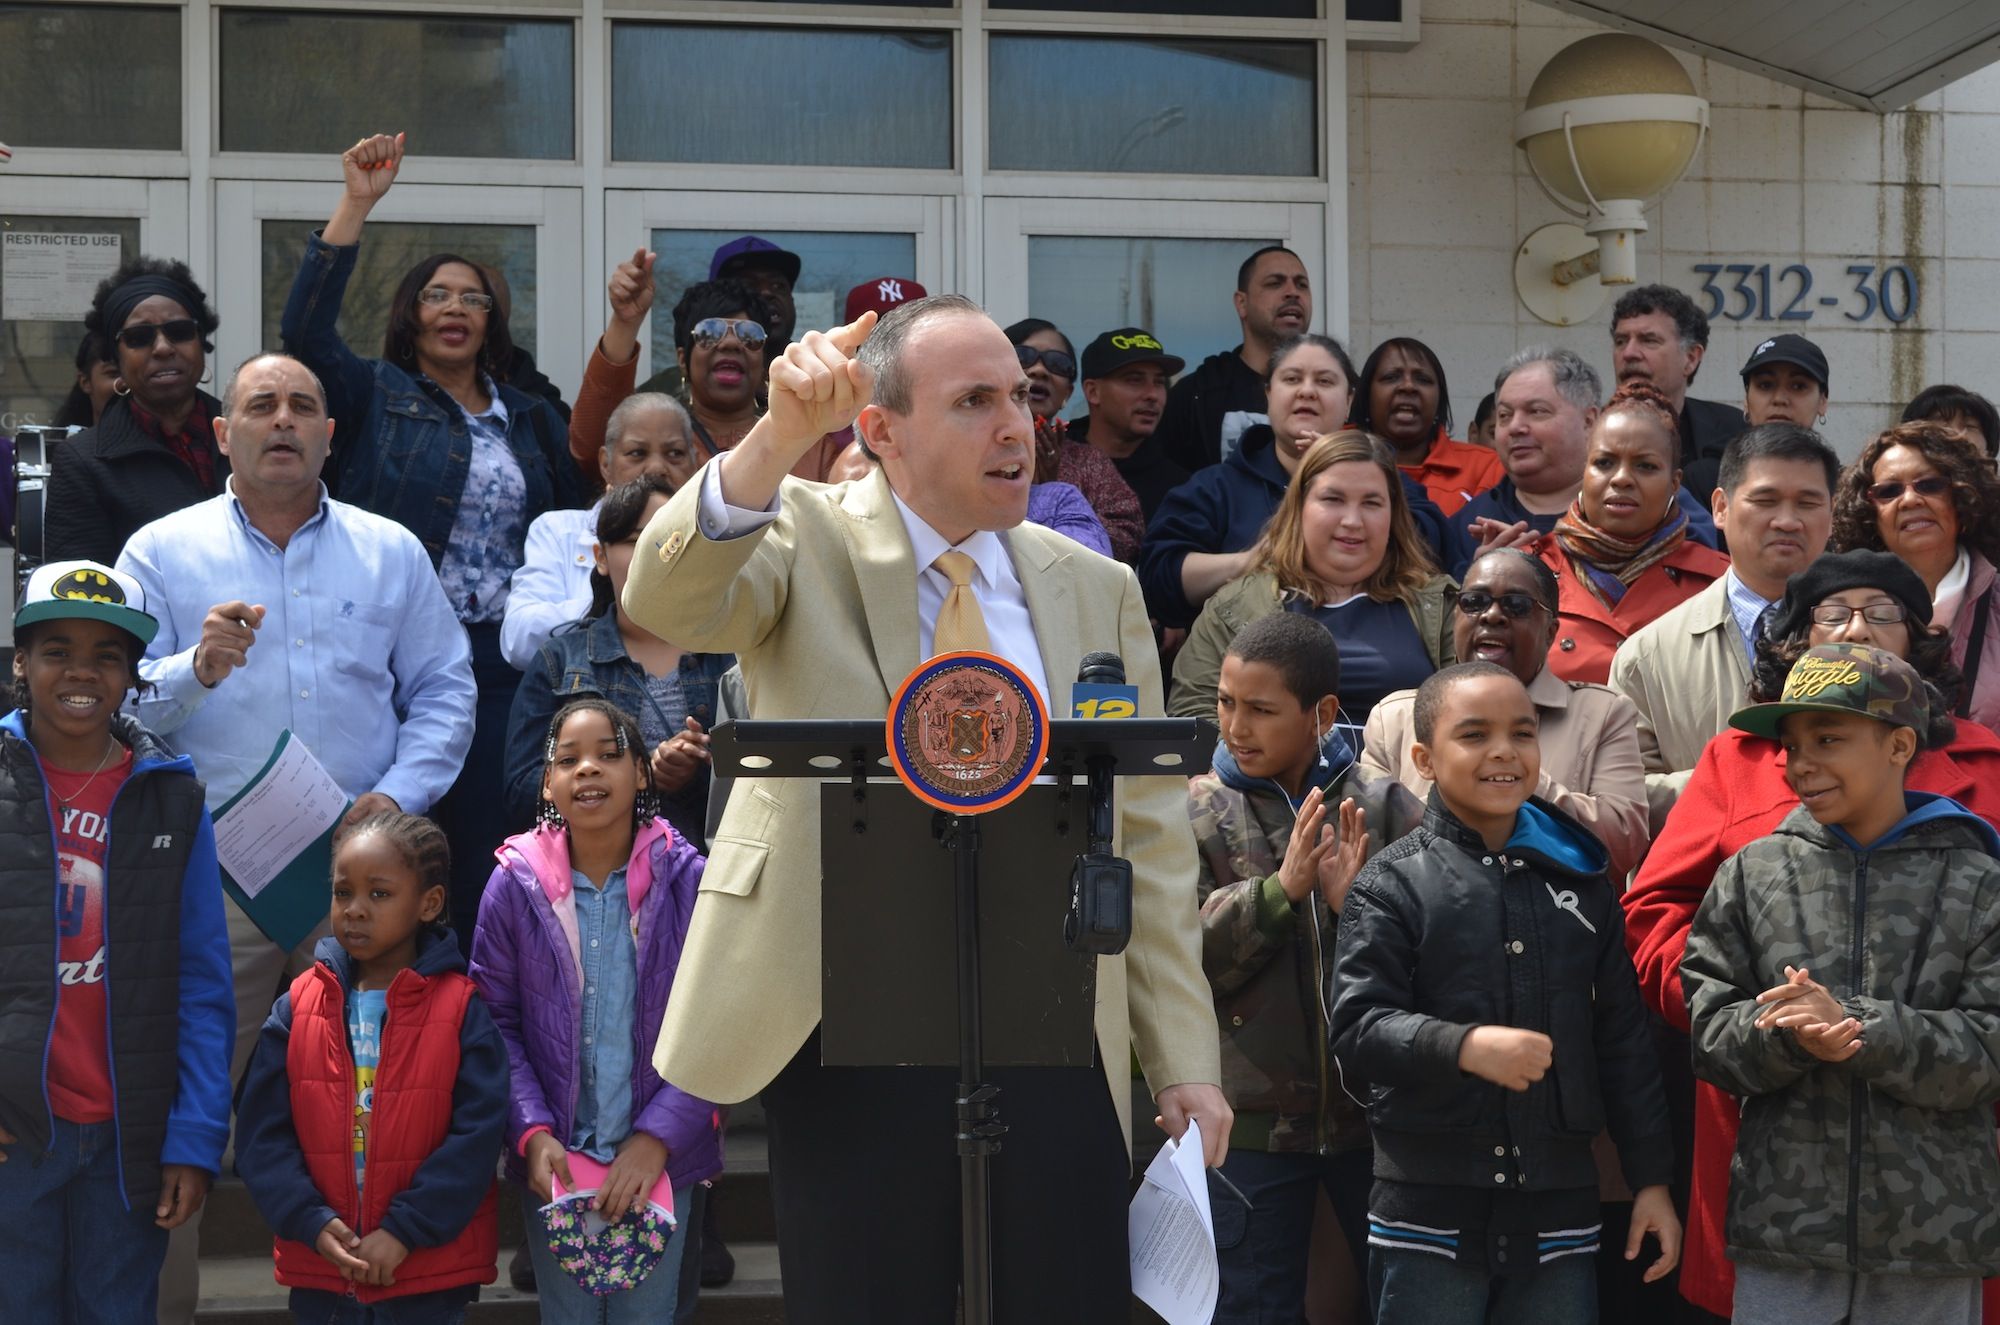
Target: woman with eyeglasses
(1591, 766)
(1342, 549)
(1621, 552)
(1050, 363)
(153, 451)
(719, 338)
(433, 436)
(1922, 492)
(1738, 793)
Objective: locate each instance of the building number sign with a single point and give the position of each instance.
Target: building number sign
(1743, 291)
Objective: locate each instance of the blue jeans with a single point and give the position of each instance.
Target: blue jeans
(1261, 1252)
(651, 1303)
(1417, 1288)
(73, 1254)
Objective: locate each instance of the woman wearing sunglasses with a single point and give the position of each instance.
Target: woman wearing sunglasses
(1343, 549)
(1738, 793)
(433, 436)
(1591, 766)
(719, 340)
(153, 451)
(1621, 552)
(1928, 496)
(1050, 363)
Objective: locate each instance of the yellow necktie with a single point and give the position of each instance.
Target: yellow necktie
(959, 624)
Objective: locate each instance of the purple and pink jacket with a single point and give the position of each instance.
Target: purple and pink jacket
(526, 963)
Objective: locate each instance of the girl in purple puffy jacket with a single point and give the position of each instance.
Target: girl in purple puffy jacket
(580, 933)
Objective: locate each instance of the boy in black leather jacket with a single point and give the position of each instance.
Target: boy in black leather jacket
(1481, 984)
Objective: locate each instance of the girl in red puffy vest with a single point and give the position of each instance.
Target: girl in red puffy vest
(374, 1105)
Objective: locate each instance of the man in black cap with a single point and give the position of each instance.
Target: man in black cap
(770, 271)
(1785, 380)
(1125, 376)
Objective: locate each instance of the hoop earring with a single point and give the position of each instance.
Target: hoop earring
(548, 816)
(206, 377)
(118, 387)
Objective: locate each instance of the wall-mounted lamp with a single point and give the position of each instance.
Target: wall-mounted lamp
(1610, 123)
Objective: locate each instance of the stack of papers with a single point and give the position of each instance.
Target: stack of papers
(1172, 1235)
(274, 840)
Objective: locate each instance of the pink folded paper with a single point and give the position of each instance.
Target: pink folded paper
(589, 1175)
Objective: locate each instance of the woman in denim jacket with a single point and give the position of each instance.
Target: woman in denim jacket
(670, 691)
(430, 436)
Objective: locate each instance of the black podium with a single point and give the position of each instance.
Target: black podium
(915, 973)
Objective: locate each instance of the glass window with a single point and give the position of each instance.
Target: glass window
(296, 81)
(780, 96)
(44, 293)
(1178, 289)
(91, 76)
(388, 249)
(1225, 8)
(830, 264)
(1167, 106)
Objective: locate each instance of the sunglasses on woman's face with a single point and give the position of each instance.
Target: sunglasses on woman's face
(1475, 602)
(1060, 362)
(709, 332)
(142, 335)
(1929, 486)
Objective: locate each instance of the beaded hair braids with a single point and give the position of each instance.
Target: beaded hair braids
(626, 740)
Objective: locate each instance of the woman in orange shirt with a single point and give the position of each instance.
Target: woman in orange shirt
(1404, 400)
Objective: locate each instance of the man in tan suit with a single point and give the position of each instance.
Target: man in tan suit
(1690, 669)
(830, 596)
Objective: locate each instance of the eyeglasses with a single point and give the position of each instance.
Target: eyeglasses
(1519, 606)
(471, 300)
(1929, 486)
(1060, 362)
(1875, 614)
(708, 332)
(142, 335)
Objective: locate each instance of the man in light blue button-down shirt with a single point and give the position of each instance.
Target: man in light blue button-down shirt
(281, 608)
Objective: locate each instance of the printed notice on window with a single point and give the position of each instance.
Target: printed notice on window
(51, 278)
(1172, 1235)
(292, 804)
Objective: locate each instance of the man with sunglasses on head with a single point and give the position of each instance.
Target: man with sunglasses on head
(1689, 670)
(1209, 409)
(153, 451)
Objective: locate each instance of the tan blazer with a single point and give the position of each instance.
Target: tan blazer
(1686, 672)
(820, 608)
(1590, 759)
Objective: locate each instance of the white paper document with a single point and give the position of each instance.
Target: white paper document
(52, 277)
(287, 807)
(1172, 1235)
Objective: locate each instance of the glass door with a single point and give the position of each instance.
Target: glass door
(841, 242)
(59, 237)
(1095, 265)
(531, 236)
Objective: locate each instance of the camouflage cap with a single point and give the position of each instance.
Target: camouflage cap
(1844, 678)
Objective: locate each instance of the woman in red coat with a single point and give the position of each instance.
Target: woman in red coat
(1621, 551)
(1738, 794)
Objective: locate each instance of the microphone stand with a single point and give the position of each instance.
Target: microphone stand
(979, 1125)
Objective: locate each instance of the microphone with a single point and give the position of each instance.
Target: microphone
(1100, 690)
(1100, 894)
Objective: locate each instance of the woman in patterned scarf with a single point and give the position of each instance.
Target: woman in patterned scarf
(1621, 552)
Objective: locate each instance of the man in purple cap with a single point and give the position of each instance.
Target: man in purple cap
(771, 272)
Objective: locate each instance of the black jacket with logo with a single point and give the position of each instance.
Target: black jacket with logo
(1441, 935)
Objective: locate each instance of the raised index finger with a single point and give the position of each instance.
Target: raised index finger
(848, 339)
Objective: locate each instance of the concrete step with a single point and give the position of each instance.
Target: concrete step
(239, 1290)
(231, 1226)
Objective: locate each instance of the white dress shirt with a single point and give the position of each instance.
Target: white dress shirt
(1009, 629)
(552, 586)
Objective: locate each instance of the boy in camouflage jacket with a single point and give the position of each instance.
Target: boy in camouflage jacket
(1843, 978)
(1273, 872)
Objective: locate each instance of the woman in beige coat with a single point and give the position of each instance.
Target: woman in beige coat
(1589, 734)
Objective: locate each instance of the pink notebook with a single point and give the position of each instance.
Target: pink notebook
(589, 1175)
